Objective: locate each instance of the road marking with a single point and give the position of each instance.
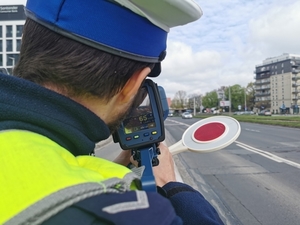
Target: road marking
(256, 150)
(268, 155)
(180, 123)
(252, 130)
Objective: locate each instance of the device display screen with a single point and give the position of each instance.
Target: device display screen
(141, 117)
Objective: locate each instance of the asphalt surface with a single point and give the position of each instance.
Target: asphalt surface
(255, 180)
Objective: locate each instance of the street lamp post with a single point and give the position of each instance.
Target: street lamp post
(245, 99)
(229, 101)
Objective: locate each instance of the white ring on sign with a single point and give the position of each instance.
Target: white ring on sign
(233, 131)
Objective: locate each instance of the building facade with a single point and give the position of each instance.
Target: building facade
(276, 86)
(12, 19)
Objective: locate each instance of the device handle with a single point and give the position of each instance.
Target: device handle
(147, 157)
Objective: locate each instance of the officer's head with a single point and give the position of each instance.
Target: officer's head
(97, 47)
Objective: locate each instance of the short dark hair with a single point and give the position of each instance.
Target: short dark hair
(47, 57)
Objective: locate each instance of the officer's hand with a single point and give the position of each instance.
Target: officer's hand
(165, 171)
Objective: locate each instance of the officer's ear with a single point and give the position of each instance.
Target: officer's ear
(133, 84)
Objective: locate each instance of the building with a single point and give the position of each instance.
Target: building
(276, 86)
(12, 19)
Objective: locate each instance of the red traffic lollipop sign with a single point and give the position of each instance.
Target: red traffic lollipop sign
(207, 135)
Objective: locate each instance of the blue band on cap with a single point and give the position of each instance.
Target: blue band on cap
(104, 23)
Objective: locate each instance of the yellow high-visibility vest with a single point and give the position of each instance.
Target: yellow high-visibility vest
(38, 175)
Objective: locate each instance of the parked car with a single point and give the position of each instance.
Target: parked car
(265, 112)
(216, 112)
(170, 114)
(247, 113)
(186, 115)
(243, 113)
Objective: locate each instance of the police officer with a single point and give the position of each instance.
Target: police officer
(81, 65)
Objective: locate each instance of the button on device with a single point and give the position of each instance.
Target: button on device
(128, 138)
(154, 132)
(146, 134)
(136, 136)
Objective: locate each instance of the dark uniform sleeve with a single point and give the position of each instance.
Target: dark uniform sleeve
(133, 207)
(190, 205)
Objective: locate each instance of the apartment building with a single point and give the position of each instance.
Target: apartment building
(12, 19)
(276, 86)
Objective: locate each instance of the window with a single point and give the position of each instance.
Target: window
(9, 47)
(19, 30)
(18, 45)
(12, 59)
(9, 70)
(1, 60)
(8, 31)
(0, 31)
(1, 49)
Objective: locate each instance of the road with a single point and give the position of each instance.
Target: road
(255, 180)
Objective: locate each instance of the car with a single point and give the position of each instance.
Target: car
(243, 113)
(170, 114)
(247, 113)
(216, 112)
(265, 112)
(187, 115)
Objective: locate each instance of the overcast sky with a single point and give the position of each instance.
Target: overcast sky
(223, 47)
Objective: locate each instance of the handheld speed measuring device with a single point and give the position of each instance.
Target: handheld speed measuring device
(143, 129)
(145, 124)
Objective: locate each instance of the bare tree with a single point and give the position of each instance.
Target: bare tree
(194, 99)
(179, 100)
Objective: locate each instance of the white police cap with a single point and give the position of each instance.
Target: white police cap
(165, 14)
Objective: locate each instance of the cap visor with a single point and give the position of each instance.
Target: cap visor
(155, 71)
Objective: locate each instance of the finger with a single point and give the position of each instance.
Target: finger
(134, 162)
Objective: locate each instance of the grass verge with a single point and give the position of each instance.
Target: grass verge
(276, 120)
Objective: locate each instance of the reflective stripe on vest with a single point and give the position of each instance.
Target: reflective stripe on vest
(41, 178)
